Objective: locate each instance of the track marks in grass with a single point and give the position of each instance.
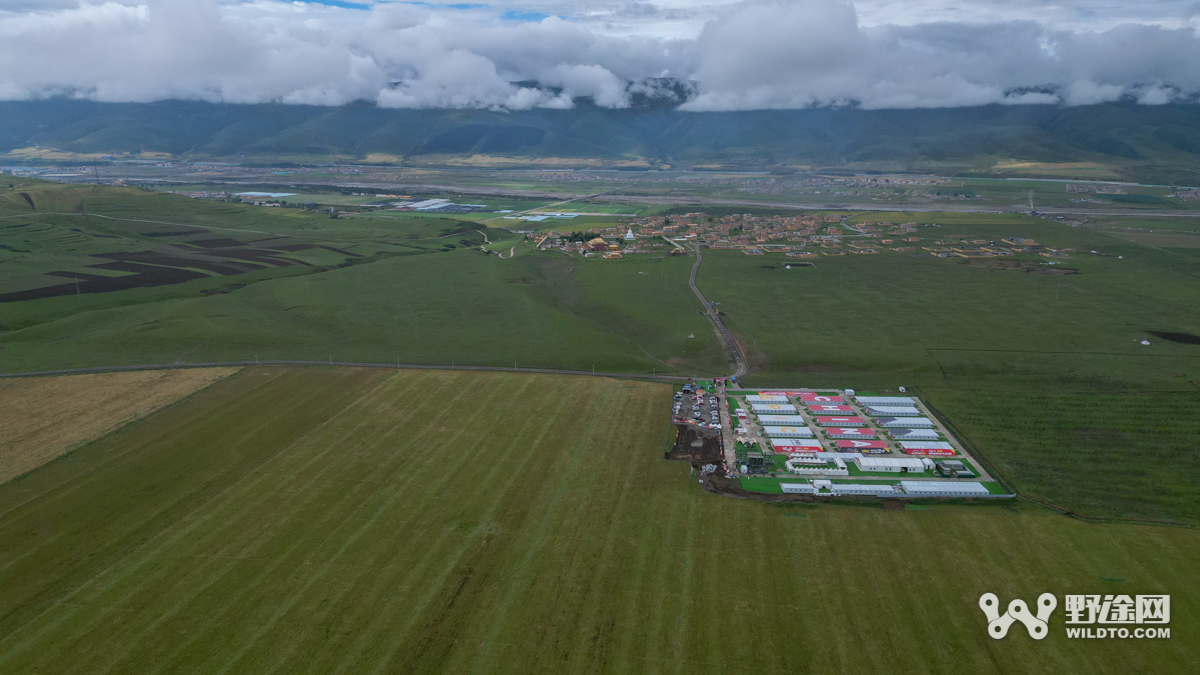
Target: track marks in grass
(455, 521)
(41, 418)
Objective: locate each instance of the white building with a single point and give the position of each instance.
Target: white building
(905, 422)
(913, 434)
(940, 488)
(781, 420)
(787, 446)
(893, 464)
(788, 432)
(827, 488)
(884, 400)
(773, 409)
(802, 465)
(766, 398)
(939, 448)
(892, 411)
(865, 490)
(798, 488)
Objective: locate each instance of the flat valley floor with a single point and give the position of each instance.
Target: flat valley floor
(328, 520)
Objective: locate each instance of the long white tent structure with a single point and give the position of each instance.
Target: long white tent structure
(905, 422)
(773, 408)
(892, 411)
(786, 446)
(893, 464)
(768, 398)
(913, 434)
(781, 420)
(884, 400)
(935, 448)
(943, 488)
(788, 432)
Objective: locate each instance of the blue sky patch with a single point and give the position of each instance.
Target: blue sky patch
(342, 4)
(518, 15)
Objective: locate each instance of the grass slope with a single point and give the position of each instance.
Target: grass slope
(462, 307)
(380, 291)
(338, 520)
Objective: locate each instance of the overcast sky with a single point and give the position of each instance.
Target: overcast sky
(518, 54)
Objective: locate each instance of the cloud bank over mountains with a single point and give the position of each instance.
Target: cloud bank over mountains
(758, 54)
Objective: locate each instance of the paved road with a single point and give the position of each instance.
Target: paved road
(739, 358)
(394, 366)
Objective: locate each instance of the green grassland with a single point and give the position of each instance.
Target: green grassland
(978, 342)
(462, 307)
(1044, 374)
(340, 520)
(385, 292)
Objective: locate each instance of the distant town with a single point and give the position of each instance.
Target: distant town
(807, 236)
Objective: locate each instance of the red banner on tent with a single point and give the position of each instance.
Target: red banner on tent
(933, 452)
(859, 446)
(829, 408)
(841, 422)
(820, 398)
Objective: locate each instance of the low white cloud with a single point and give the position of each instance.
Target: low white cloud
(757, 54)
(594, 81)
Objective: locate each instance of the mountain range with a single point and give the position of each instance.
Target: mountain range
(1150, 143)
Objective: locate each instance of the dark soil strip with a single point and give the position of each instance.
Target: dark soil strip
(223, 268)
(214, 243)
(1180, 338)
(305, 247)
(28, 199)
(144, 276)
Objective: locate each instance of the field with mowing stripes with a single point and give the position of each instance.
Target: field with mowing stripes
(328, 520)
(44, 417)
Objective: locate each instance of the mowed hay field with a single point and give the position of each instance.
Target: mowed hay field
(327, 520)
(43, 417)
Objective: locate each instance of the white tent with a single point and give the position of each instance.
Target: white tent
(773, 408)
(943, 488)
(890, 464)
(781, 420)
(884, 400)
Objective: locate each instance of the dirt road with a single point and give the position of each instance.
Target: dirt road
(739, 358)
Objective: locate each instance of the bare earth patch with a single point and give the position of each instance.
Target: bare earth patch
(43, 417)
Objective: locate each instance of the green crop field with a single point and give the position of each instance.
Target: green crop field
(339, 520)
